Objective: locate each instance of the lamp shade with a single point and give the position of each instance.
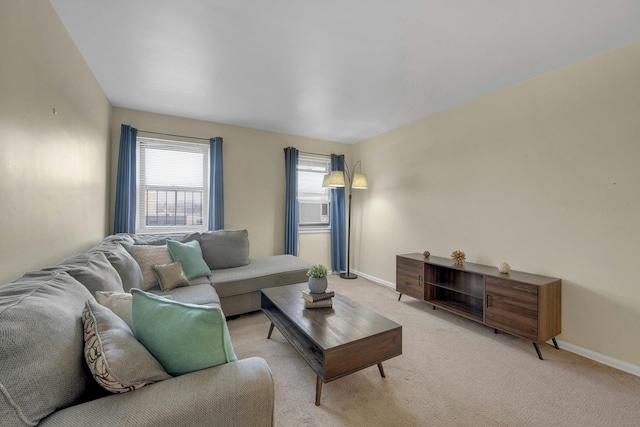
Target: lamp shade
(336, 179)
(359, 181)
(325, 180)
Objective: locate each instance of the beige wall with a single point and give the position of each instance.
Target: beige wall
(543, 175)
(254, 182)
(53, 168)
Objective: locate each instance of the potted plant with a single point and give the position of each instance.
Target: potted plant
(317, 279)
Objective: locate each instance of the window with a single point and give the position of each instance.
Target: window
(313, 199)
(173, 186)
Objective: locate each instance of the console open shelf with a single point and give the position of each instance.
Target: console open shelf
(522, 304)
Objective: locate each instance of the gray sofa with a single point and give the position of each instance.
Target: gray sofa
(236, 280)
(44, 379)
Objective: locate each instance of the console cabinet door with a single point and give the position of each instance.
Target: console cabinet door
(512, 307)
(410, 277)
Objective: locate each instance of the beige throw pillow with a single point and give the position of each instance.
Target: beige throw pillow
(147, 256)
(119, 303)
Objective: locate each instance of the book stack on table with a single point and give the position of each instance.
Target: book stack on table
(322, 300)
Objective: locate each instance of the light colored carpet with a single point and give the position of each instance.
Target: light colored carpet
(453, 372)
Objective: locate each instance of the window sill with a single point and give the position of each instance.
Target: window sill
(313, 230)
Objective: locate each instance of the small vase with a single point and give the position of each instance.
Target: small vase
(317, 285)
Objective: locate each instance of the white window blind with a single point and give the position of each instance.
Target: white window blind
(313, 199)
(173, 186)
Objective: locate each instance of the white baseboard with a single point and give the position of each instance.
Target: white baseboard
(375, 279)
(600, 358)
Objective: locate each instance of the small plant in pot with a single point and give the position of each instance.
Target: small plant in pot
(317, 279)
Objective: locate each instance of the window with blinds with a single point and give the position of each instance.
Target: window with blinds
(313, 199)
(173, 186)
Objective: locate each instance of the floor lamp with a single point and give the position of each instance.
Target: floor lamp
(354, 181)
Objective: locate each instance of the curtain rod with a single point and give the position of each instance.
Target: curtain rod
(170, 134)
(315, 154)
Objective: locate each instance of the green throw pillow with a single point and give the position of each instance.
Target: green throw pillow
(191, 256)
(182, 337)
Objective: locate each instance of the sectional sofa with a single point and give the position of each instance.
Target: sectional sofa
(45, 379)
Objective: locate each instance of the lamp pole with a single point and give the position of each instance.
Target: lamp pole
(347, 274)
(353, 180)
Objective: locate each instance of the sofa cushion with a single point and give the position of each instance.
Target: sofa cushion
(204, 280)
(118, 362)
(203, 294)
(96, 273)
(170, 276)
(147, 256)
(261, 273)
(225, 248)
(191, 256)
(183, 337)
(120, 304)
(126, 266)
(40, 315)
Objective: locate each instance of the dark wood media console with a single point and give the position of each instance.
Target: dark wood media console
(521, 304)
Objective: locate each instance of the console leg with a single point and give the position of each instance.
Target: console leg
(381, 369)
(318, 390)
(555, 343)
(270, 330)
(399, 296)
(535, 344)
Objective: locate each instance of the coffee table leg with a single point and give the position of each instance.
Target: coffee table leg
(318, 390)
(381, 369)
(270, 330)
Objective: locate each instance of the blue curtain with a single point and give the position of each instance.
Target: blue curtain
(125, 214)
(216, 187)
(338, 251)
(291, 202)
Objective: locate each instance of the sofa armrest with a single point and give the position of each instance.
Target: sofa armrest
(235, 394)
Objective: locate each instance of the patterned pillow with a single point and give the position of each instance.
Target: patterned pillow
(171, 276)
(147, 256)
(117, 361)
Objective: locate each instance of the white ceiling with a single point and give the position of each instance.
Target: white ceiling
(335, 70)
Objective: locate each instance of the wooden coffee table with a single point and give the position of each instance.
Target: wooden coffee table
(334, 341)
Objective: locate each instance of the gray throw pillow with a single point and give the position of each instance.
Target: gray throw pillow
(118, 362)
(97, 274)
(126, 266)
(225, 248)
